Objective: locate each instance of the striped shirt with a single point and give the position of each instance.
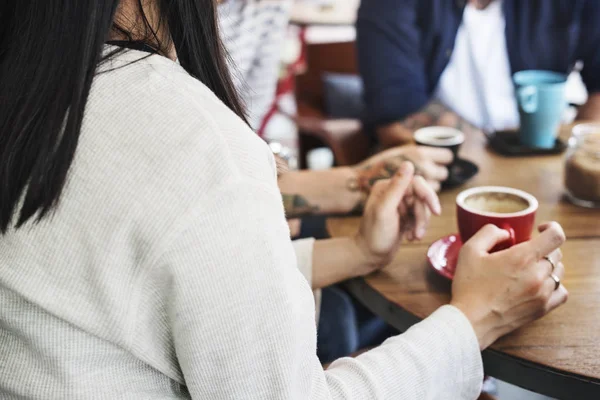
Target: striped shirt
(253, 32)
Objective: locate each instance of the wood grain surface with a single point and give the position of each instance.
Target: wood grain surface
(558, 355)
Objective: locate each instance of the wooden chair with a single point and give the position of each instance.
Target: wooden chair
(345, 137)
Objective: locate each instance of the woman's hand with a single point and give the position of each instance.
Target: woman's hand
(430, 162)
(397, 208)
(503, 291)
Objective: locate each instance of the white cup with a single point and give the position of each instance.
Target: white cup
(320, 158)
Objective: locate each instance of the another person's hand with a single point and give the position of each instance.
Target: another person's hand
(397, 208)
(503, 291)
(430, 162)
(395, 134)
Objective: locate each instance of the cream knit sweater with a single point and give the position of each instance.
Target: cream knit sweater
(167, 271)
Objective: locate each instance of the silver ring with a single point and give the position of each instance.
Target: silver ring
(547, 258)
(556, 281)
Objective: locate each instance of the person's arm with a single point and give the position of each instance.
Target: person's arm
(390, 61)
(241, 318)
(339, 259)
(332, 191)
(590, 111)
(588, 44)
(343, 190)
(397, 98)
(435, 113)
(257, 87)
(273, 18)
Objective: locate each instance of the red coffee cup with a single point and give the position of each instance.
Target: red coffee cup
(510, 209)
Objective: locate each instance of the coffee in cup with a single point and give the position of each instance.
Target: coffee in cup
(507, 208)
(440, 136)
(498, 203)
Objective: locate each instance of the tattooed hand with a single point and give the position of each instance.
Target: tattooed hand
(429, 162)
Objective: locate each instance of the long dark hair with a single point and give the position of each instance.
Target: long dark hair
(49, 51)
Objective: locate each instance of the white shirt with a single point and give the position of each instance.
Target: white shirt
(477, 83)
(167, 272)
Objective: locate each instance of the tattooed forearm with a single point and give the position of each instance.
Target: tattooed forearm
(297, 206)
(294, 205)
(436, 113)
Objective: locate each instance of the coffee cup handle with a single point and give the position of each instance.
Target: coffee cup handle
(512, 239)
(528, 98)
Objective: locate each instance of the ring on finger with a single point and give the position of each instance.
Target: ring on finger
(556, 281)
(547, 258)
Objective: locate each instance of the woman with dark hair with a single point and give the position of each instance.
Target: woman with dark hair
(144, 251)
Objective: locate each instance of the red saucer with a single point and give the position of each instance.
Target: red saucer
(443, 255)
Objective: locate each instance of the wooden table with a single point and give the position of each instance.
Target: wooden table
(559, 355)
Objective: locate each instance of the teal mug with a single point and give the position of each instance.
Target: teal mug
(542, 102)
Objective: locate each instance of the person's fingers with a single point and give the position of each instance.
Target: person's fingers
(437, 154)
(551, 238)
(409, 198)
(544, 226)
(434, 172)
(426, 194)
(398, 185)
(549, 284)
(393, 155)
(422, 217)
(559, 271)
(487, 238)
(435, 185)
(555, 257)
(379, 188)
(558, 297)
(402, 209)
(407, 221)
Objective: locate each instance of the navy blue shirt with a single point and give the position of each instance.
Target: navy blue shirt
(405, 45)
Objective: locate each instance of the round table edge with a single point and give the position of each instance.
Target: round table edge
(526, 374)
